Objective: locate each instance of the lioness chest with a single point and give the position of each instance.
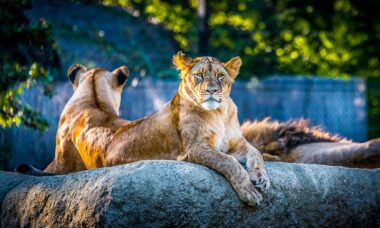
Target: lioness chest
(221, 132)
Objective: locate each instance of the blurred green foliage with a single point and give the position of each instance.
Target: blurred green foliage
(329, 37)
(26, 50)
(336, 38)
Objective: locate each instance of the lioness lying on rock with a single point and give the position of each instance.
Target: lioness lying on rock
(198, 125)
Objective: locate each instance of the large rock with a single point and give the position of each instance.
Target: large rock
(170, 193)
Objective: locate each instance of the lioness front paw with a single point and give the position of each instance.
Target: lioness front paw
(259, 178)
(249, 194)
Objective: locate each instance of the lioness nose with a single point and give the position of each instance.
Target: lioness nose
(211, 90)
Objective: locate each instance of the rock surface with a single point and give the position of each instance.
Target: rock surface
(171, 193)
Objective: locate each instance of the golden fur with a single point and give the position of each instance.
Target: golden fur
(199, 125)
(295, 141)
(89, 119)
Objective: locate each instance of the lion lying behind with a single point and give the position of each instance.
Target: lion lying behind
(198, 125)
(295, 141)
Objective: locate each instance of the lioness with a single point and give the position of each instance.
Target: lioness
(198, 125)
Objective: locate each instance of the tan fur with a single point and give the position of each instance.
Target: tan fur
(88, 121)
(295, 141)
(199, 125)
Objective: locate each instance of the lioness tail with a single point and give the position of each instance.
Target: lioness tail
(30, 170)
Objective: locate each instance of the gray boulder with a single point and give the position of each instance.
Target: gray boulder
(171, 193)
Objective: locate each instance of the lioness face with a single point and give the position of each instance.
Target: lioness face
(206, 81)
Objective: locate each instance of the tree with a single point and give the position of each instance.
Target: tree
(330, 38)
(25, 51)
(203, 28)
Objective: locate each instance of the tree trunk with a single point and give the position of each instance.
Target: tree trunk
(203, 29)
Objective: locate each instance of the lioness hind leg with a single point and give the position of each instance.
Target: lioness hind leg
(66, 160)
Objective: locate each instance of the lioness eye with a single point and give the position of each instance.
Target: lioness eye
(220, 76)
(199, 76)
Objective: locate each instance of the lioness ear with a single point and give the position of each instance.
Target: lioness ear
(181, 61)
(122, 74)
(233, 66)
(74, 73)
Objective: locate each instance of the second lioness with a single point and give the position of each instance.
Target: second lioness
(199, 125)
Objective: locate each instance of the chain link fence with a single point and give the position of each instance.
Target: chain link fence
(337, 105)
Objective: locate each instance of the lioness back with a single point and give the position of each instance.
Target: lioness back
(152, 137)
